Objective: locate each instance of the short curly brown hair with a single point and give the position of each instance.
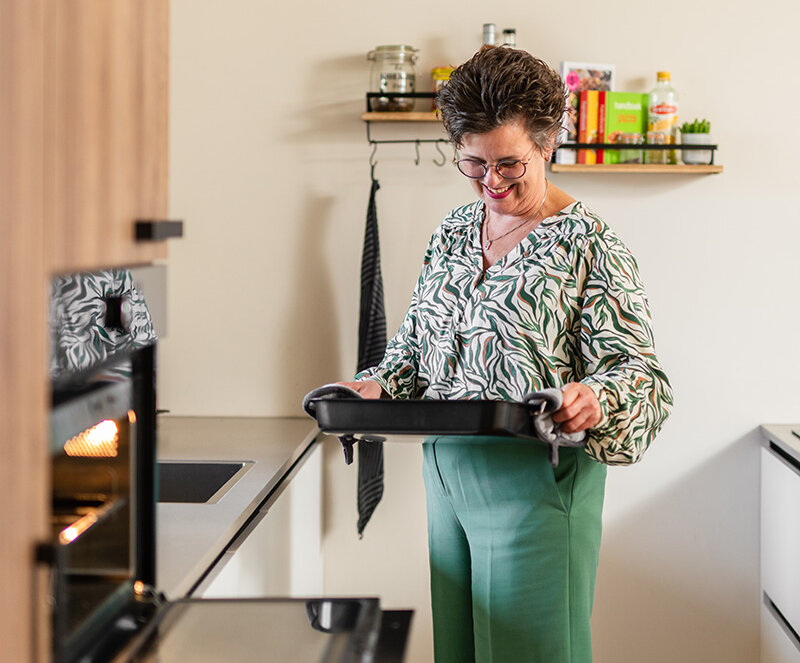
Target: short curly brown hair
(500, 85)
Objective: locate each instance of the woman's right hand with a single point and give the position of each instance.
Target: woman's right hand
(366, 388)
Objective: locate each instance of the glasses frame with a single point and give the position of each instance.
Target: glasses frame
(496, 166)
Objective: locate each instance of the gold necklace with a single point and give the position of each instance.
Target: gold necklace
(489, 242)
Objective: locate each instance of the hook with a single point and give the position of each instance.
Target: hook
(372, 161)
(439, 150)
(416, 161)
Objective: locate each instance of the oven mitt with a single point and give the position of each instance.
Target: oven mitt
(545, 403)
(332, 391)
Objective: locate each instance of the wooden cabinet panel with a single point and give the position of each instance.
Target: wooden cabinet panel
(83, 154)
(23, 335)
(106, 113)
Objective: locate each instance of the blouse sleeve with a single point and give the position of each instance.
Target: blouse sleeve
(619, 355)
(398, 371)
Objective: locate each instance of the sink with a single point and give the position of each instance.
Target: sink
(198, 481)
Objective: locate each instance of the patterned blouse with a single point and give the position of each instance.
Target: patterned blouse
(565, 305)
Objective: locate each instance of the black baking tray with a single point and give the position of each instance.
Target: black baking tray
(424, 417)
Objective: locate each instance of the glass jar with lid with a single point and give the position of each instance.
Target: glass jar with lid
(392, 70)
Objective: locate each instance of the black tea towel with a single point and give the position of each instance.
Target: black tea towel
(371, 348)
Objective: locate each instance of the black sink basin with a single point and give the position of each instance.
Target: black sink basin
(198, 481)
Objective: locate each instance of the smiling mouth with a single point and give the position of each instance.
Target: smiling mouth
(499, 192)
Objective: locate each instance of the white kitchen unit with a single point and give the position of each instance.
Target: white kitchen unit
(780, 545)
(279, 553)
(194, 540)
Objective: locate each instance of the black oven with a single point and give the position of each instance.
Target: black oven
(102, 454)
(105, 604)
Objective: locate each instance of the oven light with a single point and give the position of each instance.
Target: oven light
(77, 528)
(99, 441)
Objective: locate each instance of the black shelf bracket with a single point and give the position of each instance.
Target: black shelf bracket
(397, 95)
(637, 146)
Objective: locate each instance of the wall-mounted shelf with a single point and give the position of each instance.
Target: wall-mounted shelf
(677, 169)
(431, 116)
(400, 116)
(686, 169)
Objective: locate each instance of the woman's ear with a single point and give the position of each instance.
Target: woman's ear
(547, 152)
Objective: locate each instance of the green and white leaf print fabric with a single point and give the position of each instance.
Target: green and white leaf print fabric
(79, 337)
(565, 305)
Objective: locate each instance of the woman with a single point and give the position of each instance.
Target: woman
(523, 289)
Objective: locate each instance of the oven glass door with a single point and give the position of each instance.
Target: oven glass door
(93, 508)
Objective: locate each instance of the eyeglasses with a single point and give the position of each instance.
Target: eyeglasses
(509, 169)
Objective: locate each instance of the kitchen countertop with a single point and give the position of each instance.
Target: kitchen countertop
(781, 434)
(189, 537)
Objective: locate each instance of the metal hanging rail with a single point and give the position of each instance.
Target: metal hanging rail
(373, 141)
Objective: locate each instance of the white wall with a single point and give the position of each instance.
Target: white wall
(269, 170)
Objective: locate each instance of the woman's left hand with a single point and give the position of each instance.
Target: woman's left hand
(580, 409)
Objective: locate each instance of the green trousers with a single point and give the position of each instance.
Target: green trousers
(513, 550)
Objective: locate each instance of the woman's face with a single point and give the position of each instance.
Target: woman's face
(509, 142)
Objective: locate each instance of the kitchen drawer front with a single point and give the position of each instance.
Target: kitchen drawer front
(780, 533)
(280, 553)
(778, 644)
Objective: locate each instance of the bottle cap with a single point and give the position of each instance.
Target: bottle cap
(663, 75)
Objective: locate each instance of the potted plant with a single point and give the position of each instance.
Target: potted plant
(696, 133)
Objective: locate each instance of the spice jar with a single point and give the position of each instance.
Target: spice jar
(630, 156)
(392, 70)
(440, 75)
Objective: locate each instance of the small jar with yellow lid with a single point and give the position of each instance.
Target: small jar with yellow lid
(440, 75)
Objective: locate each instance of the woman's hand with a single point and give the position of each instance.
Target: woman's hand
(366, 388)
(580, 409)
